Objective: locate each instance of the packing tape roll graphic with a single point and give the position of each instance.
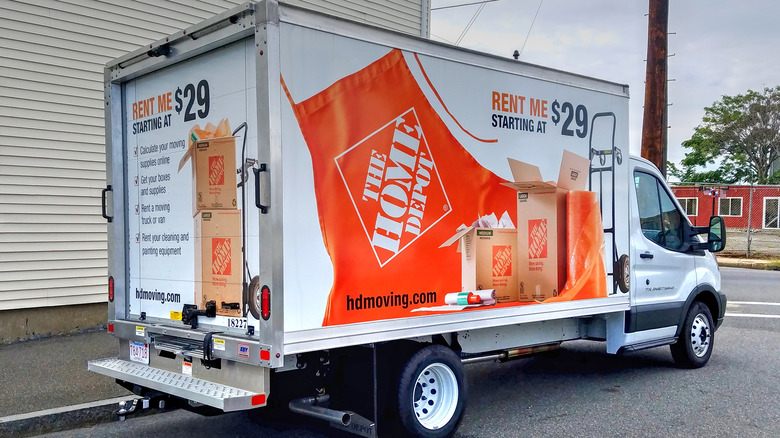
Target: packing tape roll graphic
(486, 297)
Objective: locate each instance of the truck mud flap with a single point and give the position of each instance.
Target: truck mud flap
(224, 397)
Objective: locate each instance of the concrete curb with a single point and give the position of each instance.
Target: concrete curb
(731, 262)
(65, 418)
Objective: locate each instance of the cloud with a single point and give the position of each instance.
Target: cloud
(721, 48)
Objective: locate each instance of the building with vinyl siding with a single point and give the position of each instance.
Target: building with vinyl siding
(52, 158)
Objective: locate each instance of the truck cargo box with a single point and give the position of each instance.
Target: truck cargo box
(356, 152)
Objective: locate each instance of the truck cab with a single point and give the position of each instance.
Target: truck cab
(673, 274)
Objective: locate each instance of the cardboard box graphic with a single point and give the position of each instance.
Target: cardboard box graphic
(214, 176)
(541, 225)
(488, 259)
(218, 260)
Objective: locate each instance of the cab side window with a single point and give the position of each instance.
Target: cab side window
(660, 219)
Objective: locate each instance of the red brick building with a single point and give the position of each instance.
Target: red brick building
(733, 202)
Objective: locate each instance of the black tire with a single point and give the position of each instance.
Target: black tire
(435, 407)
(622, 273)
(697, 338)
(253, 297)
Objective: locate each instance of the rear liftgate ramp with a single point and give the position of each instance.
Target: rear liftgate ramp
(220, 396)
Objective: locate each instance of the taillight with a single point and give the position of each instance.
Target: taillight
(265, 303)
(111, 328)
(111, 289)
(258, 399)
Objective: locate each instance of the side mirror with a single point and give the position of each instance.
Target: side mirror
(716, 235)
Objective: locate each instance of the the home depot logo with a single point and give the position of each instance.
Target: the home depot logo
(216, 170)
(395, 187)
(502, 261)
(220, 256)
(537, 239)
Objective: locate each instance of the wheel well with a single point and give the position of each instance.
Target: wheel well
(709, 300)
(706, 297)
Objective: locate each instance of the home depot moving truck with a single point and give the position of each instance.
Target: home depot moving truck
(309, 212)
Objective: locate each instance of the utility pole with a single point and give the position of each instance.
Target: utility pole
(654, 121)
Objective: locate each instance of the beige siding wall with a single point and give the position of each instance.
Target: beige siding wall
(401, 15)
(52, 53)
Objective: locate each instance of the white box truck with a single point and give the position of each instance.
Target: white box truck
(280, 188)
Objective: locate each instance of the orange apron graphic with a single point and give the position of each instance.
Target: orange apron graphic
(391, 184)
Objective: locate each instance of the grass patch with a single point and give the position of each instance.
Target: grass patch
(774, 265)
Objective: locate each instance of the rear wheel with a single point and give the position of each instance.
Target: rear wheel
(432, 393)
(694, 346)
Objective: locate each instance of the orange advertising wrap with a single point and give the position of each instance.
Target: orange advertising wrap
(391, 184)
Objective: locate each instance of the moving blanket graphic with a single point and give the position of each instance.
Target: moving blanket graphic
(391, 184)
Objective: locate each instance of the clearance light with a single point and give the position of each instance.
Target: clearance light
(265, 303)
(111, 289)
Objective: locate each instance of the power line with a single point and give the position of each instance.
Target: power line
(462, 4)
(442, 38)
(468, 26)
(471, 22)
(531, 27)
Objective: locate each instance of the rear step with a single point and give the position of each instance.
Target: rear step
(212, 394)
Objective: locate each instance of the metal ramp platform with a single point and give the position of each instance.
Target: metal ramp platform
(212, 394)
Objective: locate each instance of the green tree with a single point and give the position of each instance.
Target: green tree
(741, 134)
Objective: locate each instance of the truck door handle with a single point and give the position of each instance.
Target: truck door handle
(103, 203)
(258, 202)
(646, 255)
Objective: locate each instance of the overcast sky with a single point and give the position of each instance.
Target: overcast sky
(720, 47)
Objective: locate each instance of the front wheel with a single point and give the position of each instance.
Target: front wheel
(432, 393)
(694, 346)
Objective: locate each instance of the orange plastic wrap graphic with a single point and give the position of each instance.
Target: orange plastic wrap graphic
(391, 184)
(586, 277)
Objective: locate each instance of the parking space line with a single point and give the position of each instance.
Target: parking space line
(752, 303)
(66, 409)
(751, 315)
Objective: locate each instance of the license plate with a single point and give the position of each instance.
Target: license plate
(139, 352)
